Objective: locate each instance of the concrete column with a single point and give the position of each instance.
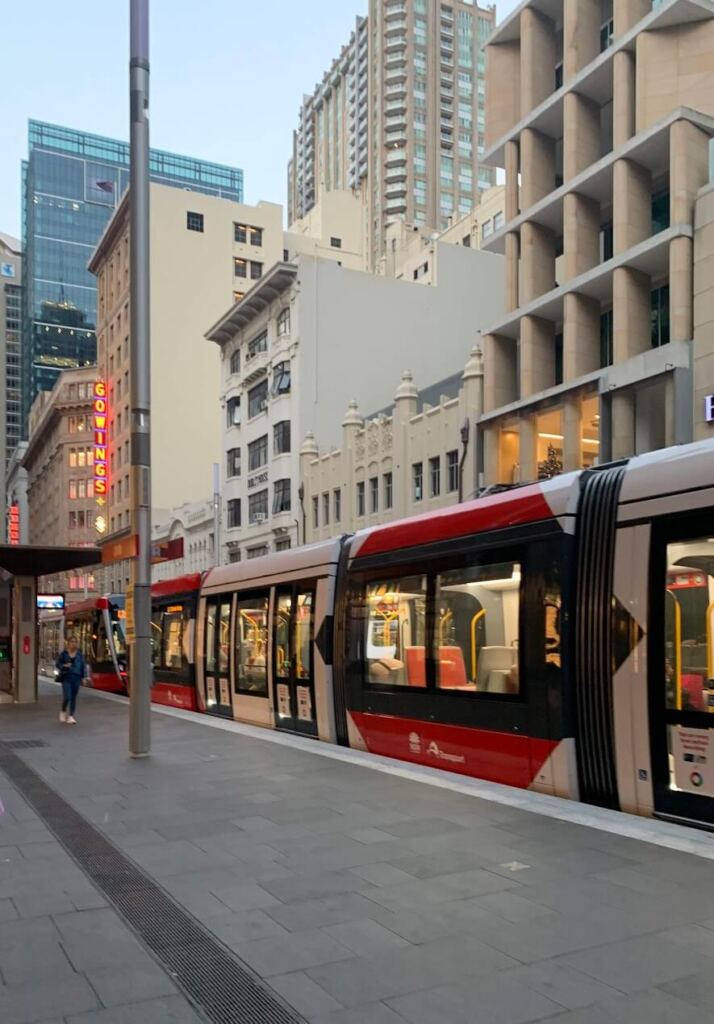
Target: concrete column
(688, 169)
(624, 106)
(512, 165)
(24, 653)
(581, 35)
(681, 290)
(491, 470)
(572, 431)
(537, 362)
(513, 251)
(405, 406)
(471, 408)
(581, 336)
(351, 424)
(527, 457)
(622, 410)
(581, 134)
(669, 430)
(581, 234)
(537, 261)
(537, 59)
(537, 167)
(500, 386)
(631, 311)
(628, 12)
(632, 205)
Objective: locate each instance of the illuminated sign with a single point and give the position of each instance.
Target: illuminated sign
(709, 408)
(50, 602)
(13, 524)
(100, 419)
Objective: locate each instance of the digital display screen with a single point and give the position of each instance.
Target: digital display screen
(50, 602)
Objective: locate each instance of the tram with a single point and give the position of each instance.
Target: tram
(555, 636)
(98, 624)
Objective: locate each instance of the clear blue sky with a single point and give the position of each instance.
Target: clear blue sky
(227, 78)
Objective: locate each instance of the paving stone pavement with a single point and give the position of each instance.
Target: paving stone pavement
(359, 897)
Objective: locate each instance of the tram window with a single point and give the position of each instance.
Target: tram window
(689, 625)
(156, 637)
(476, 624)
(252, 644)
(224, 633)
(303, 634)
(396, 632)
(211, 637)
(283, 615)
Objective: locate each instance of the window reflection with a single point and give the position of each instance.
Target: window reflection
(252, 644)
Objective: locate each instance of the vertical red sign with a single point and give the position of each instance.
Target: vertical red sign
(101, 418)
(13, 524)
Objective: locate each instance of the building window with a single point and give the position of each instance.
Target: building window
(417, 481)
(284, 322)
(558, 358)
(73, 457)
(83, 457)
(233, 412)
(257, 552)
(559, 75)
(258, 399)
(498, 220)
(281, 378)
(235, 361)
(387, 481)
(240, 267)
(360, 498)
(607, 34)
(257, 345)
(233, 467)
(194, 221)
(660, 211)
(452, 470)
(233, 557)
(487, 228)
(258, 507)
(281, 496)
(72, 490)
(82, 488)
(315, 512)
(337, 503)
(283, 544)
(258, 453)
(660, 316)
(326, 508)
(281, 437)
(336, 243)
(607, 354)
(73, 520)
(245, 233)
(373, 494)
(606, 242)
(256, 270)
(435, 477)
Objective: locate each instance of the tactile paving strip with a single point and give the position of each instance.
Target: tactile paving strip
(216, 981)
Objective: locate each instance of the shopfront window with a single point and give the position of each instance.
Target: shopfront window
(549, 444)
(689, 625)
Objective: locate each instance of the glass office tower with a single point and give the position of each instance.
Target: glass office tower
(72, 183)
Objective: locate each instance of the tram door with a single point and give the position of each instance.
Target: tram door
(682, 717)
(218, 645)
(293, 671)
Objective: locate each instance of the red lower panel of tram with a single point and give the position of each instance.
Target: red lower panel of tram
(514, 760)
(175, 696)
(107, 681)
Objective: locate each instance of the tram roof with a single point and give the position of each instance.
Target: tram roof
(280, 563)
(40, 560)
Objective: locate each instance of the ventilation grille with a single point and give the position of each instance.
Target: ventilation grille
(216, 981)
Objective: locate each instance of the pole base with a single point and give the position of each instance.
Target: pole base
(138, 756)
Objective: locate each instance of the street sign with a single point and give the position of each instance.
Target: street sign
(129, 610)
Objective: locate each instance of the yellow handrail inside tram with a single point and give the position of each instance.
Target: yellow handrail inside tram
(677, 651)
(474, 653)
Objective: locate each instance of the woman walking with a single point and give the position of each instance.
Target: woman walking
(71, 670)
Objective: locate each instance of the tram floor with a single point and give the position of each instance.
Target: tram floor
(344, 894)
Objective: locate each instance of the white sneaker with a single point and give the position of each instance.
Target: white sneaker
(63, 716)
(71, 720)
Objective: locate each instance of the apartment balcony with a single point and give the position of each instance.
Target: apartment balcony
(397, 73)
(396, 107)
(396, 157)
(650, 257)
(396, 138)
(395, 26)
(395, 206)
(255, 368)
(649, 149)
(399, 89)
(395, 43)
(594, 82)
(395, 10)
(395, 174)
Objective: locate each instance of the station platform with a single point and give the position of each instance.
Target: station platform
(239, 876)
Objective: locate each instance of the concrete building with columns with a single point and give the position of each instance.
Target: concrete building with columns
(601, 114)
(417, 456)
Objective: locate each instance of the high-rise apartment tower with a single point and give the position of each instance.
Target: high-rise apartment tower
(400, 115)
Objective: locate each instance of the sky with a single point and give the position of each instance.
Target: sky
(227, 78)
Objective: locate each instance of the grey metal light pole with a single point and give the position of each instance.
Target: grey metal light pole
(140, 651)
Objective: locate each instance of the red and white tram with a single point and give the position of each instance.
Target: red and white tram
(557, 636)
(98, 625)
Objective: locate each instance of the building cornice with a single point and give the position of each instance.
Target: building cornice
(266, 290)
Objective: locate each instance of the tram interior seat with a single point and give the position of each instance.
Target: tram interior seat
(693, 692)
(496, 668)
